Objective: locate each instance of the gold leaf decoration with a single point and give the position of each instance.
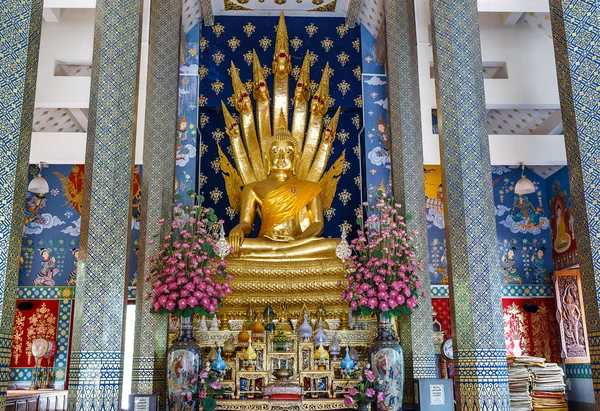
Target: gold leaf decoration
(202, 72)
(357, 73)
(311, 30)
(356, 45)
(343, 58)
(202, 101)
(296, 43)
(330, 180)
(265, 43)
(233, 182)
(249, 29)
(342, 30)
(358, 101)
(233, 43)
(248, 57)
(218, 29)
(203, 44)
(217, 86)
(219, 57)
(327, 44)
(343, 87)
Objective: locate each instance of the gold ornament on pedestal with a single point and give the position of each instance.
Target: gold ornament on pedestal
(281, 176)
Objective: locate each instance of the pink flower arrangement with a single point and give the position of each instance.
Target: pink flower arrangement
(383, 271)
(186, 275)
(367, 389)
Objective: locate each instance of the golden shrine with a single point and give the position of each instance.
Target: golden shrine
(280, 176)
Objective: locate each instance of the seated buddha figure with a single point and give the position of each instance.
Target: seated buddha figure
(290, 210)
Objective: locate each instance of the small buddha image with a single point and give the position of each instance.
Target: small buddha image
(540, 274)
(46, 275)
(511, 274)
(562, 242)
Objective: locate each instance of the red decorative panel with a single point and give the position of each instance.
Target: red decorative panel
(39, 322)
(535, 334)
(441, 307)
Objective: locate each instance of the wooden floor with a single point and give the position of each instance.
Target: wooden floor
(42, 400)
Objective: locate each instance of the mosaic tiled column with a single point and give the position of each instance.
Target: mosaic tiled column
(96, 368)
(576, 36)
(475, 286)
(150, 348)
(416, 335)
(20, 26)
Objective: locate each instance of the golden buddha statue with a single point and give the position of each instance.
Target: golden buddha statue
(279, 174)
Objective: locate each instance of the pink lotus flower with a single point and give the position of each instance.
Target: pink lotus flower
(352, 391)
(202, 394)
(215, 385)
(348, 402)
(380, 396)
(370, 392)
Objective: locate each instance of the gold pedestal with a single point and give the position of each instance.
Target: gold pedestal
(262, 282)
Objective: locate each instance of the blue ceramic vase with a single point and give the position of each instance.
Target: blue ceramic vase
(387, 362)
(184, 360)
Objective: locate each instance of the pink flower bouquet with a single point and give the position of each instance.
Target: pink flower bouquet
(383, 271)
(186, 275)
(367, 389)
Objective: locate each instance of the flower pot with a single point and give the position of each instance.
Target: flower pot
(363, 406)
(387, 362)
(184, 359)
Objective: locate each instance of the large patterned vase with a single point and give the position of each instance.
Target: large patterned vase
(387, 362)
(184, 360)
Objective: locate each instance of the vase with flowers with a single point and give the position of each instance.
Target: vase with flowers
(210, 387)
(367, 391)
(187, 278)
(383, 278)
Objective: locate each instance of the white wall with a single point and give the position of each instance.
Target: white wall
(70, 40)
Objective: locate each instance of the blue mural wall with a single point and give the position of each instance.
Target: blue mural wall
(328, 41)
(186, 158)
(523, 227)
(51, 231)
(375, 117)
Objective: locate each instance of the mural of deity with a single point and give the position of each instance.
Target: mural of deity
(36, 203)
(73, 274)
(434, 193)
(46, 275)
(510, 272)
(184, 151)
(540, 273)
(523, 211)
(562, 239)
(380, 156)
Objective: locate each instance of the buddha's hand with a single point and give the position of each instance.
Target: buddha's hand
(236, 238)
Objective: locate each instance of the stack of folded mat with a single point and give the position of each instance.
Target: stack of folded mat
(518, 386)
(535, 384)
(548, 388)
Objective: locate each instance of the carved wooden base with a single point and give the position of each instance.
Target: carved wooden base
(265, 405)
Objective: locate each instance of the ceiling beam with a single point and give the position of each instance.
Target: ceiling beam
(510, 19)
(80, 117)
(51, 15)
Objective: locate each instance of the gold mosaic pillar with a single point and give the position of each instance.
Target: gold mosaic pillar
(149, 366)
(96, 368)
(576, 36)
(475, 284)
(20, 26)
(416, 336)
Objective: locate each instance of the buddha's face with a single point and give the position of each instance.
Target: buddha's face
(282, 156)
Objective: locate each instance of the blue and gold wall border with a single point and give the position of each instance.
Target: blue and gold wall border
(407, 176)
(20, 26)
(475, 288)
(150, 347)
(576, 36)
(97, 353)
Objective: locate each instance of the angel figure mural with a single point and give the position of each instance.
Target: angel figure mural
(280, 175)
